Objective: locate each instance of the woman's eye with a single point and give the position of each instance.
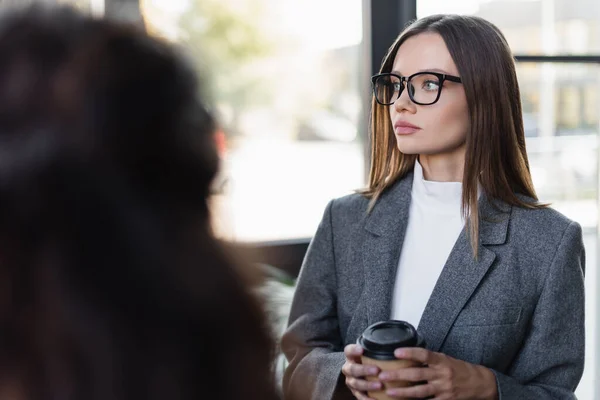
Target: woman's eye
(431, 85)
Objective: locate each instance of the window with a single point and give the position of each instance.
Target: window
(80, 4)
(533, 26)
(563, 155)
(564, 96)
(287, 81)
(95, 7)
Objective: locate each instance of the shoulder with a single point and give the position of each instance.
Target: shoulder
(357, 204)
(546, 220)
(544, 228)
(351, 204)
(346, 211)
(543, 215)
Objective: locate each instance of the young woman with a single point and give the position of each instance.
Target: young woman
(113, 286)
(448, 235)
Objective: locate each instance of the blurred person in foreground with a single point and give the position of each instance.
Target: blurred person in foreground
(113, 286)
(449, 236)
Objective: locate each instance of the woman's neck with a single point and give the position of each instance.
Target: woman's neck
(443, 167)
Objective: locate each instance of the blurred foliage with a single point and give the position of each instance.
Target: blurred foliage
(230, 42)
(83, 5)
(80, 4)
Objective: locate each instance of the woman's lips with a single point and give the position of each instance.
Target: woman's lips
(405, 128)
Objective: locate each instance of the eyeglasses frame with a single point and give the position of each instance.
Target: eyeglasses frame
(404, 81)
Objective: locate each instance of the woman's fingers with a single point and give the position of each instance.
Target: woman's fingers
(361, 396)
(417, 391)
(416, 374)
(354, 370)
(353, 352)
(418, 354)
(362, 385)
(356, 373)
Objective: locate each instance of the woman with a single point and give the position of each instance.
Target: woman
(113, 286)
(449, 235)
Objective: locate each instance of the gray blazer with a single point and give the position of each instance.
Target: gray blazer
(518, 309)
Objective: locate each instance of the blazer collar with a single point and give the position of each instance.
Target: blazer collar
(391, 209)
(386, 226)
(391, 212)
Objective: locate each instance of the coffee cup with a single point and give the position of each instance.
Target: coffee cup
(379, 342)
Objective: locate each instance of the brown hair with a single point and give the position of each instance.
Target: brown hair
(496, 157)
(113, 285)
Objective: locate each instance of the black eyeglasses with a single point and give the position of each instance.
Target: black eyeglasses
(424, 88)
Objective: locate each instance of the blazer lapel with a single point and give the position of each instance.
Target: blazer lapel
(462, 274)
(386, 226)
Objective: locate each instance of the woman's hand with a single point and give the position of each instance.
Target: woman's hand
(356, 373)
(443, 377)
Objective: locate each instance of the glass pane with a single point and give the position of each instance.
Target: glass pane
(85, 5)
(562, 118)
(287, 81)
(533, 26)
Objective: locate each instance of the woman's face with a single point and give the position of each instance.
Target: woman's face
(441, 127)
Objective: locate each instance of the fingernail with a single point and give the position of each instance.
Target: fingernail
(399, 353)
(384, 375)
(372, 370)
(375, 386)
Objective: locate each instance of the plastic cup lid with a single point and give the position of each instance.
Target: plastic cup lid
(381, 339)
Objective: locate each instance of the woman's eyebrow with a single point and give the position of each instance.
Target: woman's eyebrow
(441, 71)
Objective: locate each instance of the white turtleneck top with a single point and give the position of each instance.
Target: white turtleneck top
(434, 224)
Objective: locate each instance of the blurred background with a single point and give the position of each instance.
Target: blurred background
(291, 85)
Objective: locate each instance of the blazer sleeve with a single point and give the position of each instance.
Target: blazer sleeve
(312, 341)
(550, 363)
